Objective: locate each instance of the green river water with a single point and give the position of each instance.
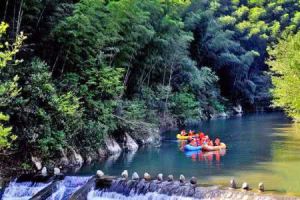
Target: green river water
(261, 148)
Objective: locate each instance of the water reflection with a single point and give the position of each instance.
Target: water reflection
(282, 173)
(201, 156)
(112, 159)
(129, 156)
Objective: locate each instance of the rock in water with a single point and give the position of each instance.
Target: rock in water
(160, 177)
(102, 153)
(100, 173)
(37, 162)
(112, 146)
(131, 145)
(232, 184)
(245, 186)
(261, 187)
(181, 178)
(76, 158)
(125, 174)
(56, 171)
(238, 109)
(193, 180)
(88, 160)
(44, 171)
(147, 177)
(135, 176)
(170, 178)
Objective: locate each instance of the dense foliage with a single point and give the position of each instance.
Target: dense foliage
(8, 88)
(90, 65)
(232, 37)
(285, 64)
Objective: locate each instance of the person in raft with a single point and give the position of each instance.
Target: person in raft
(191, 133)
(217, 142)
(202, 139)
(183, 133)
(195, 140)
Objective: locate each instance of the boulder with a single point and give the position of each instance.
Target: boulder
(124, 174)
(88, 160)
(102, 153)
(233, 184)
(147, 177)
(99, 173)
(160, 177)
(112, 146)
(193, 180)
(170, 178)
(37, 162)
(153, 137)
(135, 176)
(56, 171)
(261, 187)
(75, 158)
(130, 143)
(245, 186)
(181, 178)
(238, 109)
(44, 171)
(143, 133)
(64, 160)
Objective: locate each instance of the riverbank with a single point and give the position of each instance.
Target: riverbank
(136, 135)
(132, 135)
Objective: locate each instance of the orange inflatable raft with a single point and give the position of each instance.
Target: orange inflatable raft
(213, 148)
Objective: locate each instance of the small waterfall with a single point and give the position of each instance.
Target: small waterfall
(153, 190)
(22, 190)
(101, 195)
(68, 186)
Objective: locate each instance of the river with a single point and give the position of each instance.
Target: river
(261, 148)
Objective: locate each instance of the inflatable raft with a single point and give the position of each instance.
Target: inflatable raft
(189, 147)
(213, 148)
(181, 137)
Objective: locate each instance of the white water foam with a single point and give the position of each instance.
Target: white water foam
(68, 186)
(22, 190)
(100, 195)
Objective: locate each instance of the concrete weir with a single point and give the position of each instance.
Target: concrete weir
(47, 191)
(166, 189)
(84, 190)
(50, 189)
(101, 186)
(94, 182)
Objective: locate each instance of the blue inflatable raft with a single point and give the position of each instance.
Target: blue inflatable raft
(192, 148)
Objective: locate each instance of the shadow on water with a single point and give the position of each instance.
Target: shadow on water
(261, 147)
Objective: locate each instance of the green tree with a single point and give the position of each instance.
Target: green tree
(285, 65)
(8, 89)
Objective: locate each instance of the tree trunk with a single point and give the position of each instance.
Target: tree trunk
(20, 16)
(168, 92)
(6, 5)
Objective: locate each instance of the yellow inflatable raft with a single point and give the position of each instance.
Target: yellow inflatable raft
(181, 137)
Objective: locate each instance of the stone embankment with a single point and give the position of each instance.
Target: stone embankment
(136, 186)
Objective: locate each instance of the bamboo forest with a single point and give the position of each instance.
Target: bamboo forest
(149, 99)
